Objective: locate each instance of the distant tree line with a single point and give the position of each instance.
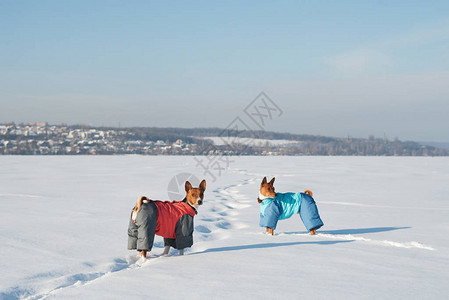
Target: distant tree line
(308, 144)
(135, 140)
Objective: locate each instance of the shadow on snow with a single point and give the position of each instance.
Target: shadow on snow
(267, 245)
(354, 231)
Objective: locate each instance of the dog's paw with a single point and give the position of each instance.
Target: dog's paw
(141, 261)
(270, 231)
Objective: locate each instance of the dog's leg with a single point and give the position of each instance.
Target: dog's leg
(166, 250)
(143, 253)
(270, 231)
(312, 232)
(181, 252)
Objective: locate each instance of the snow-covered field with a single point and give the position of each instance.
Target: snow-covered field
(253, 141)
(63, 232)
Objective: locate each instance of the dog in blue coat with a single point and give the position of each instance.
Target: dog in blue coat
(279, 206)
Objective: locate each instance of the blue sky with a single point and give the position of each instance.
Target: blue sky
(335, 67)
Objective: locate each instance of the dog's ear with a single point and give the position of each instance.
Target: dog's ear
(272, 181)
(203, 185)
(188, 186)
(264, 181)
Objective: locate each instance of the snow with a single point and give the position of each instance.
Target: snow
(64, 219)
(220, 141)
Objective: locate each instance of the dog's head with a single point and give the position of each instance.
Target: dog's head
(266, 189)
(195, 196)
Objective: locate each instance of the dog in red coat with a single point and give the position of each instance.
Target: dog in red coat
(171, 220)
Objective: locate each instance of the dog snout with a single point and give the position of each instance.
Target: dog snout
(200, 201)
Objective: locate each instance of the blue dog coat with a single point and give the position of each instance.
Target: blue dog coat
(286, 205)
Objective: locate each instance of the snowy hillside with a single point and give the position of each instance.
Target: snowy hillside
(63, 232)
(217, 140)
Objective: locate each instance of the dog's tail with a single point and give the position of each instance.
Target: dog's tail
(139, 203)
(309, 192)
(137, 207)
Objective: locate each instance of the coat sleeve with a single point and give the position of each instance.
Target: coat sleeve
(309, 213)
(146, 222)
(132, 234)
(184, 233)
(271, 215)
